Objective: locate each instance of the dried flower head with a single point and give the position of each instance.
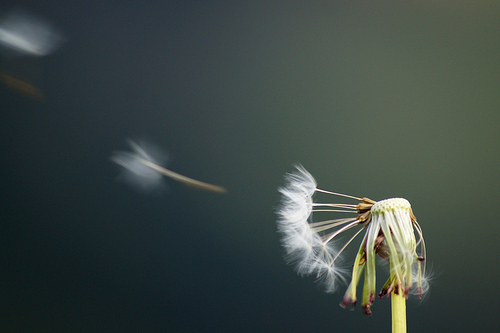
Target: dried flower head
(389, 232)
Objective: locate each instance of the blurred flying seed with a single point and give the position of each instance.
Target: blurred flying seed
(22, 33)
(22, 86)
(144, 171)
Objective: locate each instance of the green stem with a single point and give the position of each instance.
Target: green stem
(398, 306)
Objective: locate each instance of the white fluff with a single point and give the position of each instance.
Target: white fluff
(303, 246)
(26, 34)
(389, 225)
(135, 172)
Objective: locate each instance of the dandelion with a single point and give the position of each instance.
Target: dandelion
(142, 169)
(312, 244)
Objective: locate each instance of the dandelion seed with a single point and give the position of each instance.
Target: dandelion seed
(312, 244)
(26, 34)
(142, 169)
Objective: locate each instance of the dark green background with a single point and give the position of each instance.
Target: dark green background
(374, 98)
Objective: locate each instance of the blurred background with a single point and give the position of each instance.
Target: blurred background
(376, 99)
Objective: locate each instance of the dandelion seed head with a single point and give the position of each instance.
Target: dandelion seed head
(311, 244)
(390, 205)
